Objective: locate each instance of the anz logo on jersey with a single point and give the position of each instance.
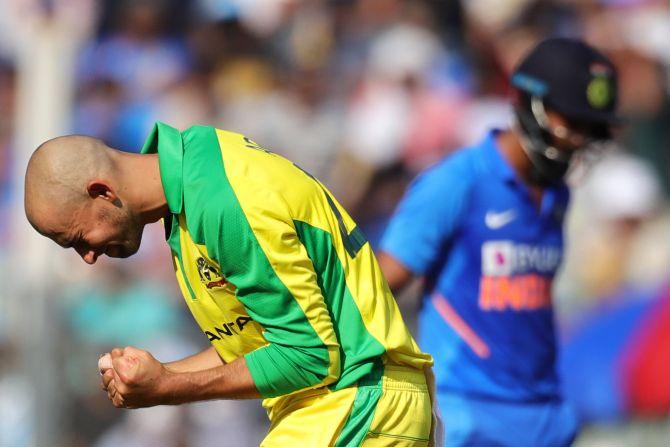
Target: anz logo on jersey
(227, 329)
(517, 277)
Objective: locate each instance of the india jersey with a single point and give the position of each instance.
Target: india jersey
(273, 268)
(489, 255)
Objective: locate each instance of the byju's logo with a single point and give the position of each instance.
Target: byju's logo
(505, 258)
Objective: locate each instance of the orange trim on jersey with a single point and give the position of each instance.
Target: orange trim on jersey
(462, 328)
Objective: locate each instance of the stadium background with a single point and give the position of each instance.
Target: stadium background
(363, 94)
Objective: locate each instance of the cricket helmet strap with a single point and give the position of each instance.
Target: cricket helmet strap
(549, 163)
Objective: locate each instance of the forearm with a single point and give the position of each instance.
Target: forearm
(201, 361)
(229, 381)
(397, 275)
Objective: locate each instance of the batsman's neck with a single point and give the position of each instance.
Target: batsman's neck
(509, 143)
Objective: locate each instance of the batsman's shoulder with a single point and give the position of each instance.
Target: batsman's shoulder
(459, 168)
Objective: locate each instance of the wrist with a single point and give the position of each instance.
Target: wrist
(172, 367)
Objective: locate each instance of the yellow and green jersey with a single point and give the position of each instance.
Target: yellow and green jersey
(273, 268)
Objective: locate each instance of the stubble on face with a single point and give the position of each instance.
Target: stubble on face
(127, 232)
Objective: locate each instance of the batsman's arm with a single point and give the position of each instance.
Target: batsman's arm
(397, 275)
(201, 361)
(429, 215)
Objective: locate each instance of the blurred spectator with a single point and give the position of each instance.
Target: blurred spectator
(613, 303)
(378, 119)
(118, 308)
(618, 198)
(647, 105)
(127, 67)
(138, 53)
(400, 111)
(302, 123)
(146, 427)
(7, 92)
(17, 400)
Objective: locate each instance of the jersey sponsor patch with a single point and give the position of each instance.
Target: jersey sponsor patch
(518, 293)
(227, 329)
(505, 258)
(517, 276)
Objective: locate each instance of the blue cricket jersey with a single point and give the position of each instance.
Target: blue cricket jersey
(489, 255)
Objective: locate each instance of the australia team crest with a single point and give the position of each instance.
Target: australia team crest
(209, 274)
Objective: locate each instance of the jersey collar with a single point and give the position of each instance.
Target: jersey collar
(494, 161)
(166, 141)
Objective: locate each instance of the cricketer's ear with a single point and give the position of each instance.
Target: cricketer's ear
(100, 189)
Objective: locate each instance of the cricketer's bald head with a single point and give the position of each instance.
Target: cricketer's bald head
(57, 177)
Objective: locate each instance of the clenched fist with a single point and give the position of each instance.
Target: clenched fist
(133, 378)
(104, 363)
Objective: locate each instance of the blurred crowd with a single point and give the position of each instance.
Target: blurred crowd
(363, 95)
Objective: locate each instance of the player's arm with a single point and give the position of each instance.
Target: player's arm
(203, 360)
(133, 378)
(426, 218)
(397, 275)
(230, 381)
